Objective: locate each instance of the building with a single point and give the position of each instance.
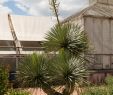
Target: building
(97, 21)
(21, 35)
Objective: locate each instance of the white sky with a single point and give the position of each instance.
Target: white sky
(41, 7)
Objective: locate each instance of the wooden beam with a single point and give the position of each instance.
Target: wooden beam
(100, 17)
(16, 41)
(7, 46)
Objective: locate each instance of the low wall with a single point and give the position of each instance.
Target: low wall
(98, 76)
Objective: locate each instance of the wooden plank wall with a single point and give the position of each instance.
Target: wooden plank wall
(100, 34)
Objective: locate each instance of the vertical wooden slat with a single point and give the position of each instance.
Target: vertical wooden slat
(106, 62)
(106, 43)
(98, 40)
(88, 26)
(106, 37)
(111, 26)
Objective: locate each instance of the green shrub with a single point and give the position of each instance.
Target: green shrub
(109, 80)
(100, 90)
(3, 80)
(18, 92)
(96, 91)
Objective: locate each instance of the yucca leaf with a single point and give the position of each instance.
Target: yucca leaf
(69, 38)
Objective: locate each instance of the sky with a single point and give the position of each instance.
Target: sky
(41, 7)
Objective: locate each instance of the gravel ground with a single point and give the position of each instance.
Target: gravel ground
(40, 92)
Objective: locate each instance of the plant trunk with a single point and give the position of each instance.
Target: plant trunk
(69, 89)
(50, 91)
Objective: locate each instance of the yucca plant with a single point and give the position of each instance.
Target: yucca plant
(70, 38)
(65, 36)
(67, 72)
(33, 73)
(36, 71)
(62, 69)
(68, 68)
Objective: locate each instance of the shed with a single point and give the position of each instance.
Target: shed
(97, 21)
(21, 35)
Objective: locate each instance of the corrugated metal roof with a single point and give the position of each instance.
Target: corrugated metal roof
(96, 9)
(27, 28)
(101, 1)
(4, 28)
(30, 28)
(101, 10)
